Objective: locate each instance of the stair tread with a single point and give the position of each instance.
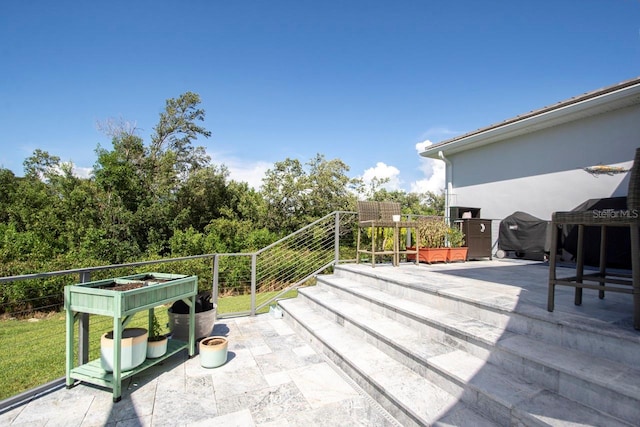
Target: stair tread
(550, 409)
(487, 333)
(407, 337)
(500, 296)
(424, 399)
(524, 399)
(481, 375)
(610, 374)
(466, 368)
(622, 378)
(474, 372)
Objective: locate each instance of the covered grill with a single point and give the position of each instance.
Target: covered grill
(524, 234)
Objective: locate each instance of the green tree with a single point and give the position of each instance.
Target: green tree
(283, 189)
(147, 191)
(8, 188)
(172, 155)
(41, 165)
(428, 203)
(329, 187)
(295, 196)
(121, 173)
(201, 198)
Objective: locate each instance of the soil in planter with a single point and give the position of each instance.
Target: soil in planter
(150, 279)
(139, 283)
(124, 287)
(212, 342)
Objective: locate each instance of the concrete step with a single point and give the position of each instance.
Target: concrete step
(506, 307)
(491, 390)
(406, 395)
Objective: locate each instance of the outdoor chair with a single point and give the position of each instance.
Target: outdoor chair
(376, 217)
(389, 210)
(603, 280)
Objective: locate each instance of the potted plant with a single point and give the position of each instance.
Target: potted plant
(457, 250)
(133, 349)
(157, 341)
(213, 351)
(433, 233)
(205, 316)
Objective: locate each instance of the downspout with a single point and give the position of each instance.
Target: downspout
(448, 190)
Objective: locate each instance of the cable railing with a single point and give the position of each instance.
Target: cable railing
(240, 284)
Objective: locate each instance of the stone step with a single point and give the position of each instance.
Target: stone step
(506, 307)
(492, 391)
(570, 373)
(405, 394)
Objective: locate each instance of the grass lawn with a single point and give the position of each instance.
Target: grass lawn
(33, 350)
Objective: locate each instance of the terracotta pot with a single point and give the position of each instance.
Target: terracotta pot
(213, 351)
(429, 255)
(457, 254)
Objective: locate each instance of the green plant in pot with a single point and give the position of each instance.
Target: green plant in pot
(457, 250)
(433, 233)
(455, 237)
(157, 341)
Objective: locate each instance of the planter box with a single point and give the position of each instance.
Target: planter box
(429, 255)
(457, 254)
(122, 296)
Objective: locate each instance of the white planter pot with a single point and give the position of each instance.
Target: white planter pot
(213, 352)
(156, 349)
(133, 349)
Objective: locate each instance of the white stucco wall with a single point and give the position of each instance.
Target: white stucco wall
(543, 171)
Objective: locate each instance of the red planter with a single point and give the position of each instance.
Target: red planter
(457, 254)
(431, 255)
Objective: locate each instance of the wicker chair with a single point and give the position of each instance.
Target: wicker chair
(376, 216)
(387, 211)
(602, 280)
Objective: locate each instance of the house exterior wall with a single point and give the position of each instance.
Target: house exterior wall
(543, 171)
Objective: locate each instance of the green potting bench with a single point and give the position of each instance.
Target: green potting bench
(96, 298)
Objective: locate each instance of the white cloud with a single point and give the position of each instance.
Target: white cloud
(242, 170)
(81, 172)
(434, 172)
(439, 133)
(251, 172)
(383, 171)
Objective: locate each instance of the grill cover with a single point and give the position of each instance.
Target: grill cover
(522, 232)
(618, 246)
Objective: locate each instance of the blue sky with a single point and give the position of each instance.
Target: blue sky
(363, 81)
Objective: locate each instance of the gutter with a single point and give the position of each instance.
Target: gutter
(599, 101)
(448, 190)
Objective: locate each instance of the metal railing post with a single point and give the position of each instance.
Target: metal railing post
(215, 271)
(254, 258)
(83, 327)
(337, 238)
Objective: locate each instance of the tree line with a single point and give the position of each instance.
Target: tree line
(166, 198)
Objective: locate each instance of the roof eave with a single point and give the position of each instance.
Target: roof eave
(546, 118)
